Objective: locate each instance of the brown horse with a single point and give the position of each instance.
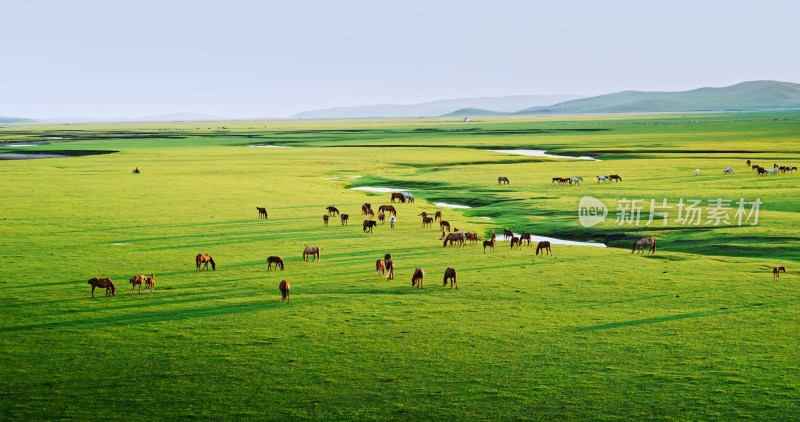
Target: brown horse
(103, 282)
(332, 210)
(204, 259)
(365, 208)
(368, 225)
(416, 279)
(614, 178)
(325, 220)
(262, 212)
(311, 251)
(748, 163)
(455, 237)
(643, 244)
(438, 216)
(443, 224)
(450, 273)
(494, 235)
(380, 267)
(507, 234)
(525, 236)
(489, 243)
(278, 261)
(502, 179)
(515, 241)
(398, 195)
(776, 273)
(389, 266)
(137, 280)
(423, 214)
(472, 237)
(345, 218)
(284, 288)
(544, 246)
(388, 208)
(426, 221)
(150, 284)
(382, 217)
(370, 213)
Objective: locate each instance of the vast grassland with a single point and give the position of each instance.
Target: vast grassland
(698, 331)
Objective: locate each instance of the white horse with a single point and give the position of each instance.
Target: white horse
(772, 171)
(603, 178)
(575, 180)
(696, 172)
(728, 170)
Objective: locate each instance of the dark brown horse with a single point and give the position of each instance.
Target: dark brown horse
(325, 219)
(748, 163)
(423, 214)
(278, 261)
(137, 280)
(776, 273)
(644, 244)
(427, 221)
(380, 267)
(103, 283)
(389, 266)
(150, 284)
(398, 195)
(345, 218)
(416, 279)
(544, 246)
(515, 241)
(507, 234)
(438, 216)
(502, 179)
(489, 243)
(364, 208)
(332, 210)
(443, 224)
(525, 236)
(204, 259)
(450, 273)
(262, 212)
(615, 178)
(388, 208)
(472, 237)
(311, 251)
(284, 288)
(368, 225)
(455, 237)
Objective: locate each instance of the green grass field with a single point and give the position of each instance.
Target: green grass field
(697, 331)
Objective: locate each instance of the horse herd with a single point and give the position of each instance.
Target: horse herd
(577, 180)
(761, 171)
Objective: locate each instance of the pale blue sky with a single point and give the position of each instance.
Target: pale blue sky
(243, 59)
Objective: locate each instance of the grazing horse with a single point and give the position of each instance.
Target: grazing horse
(459, 237)
(137, 280)
(370, 213)
(311, 251)
(278, 261)
(515, 241)
(345, 218)
(525, 236)
(544, 246)
(502, 179)
(398, 195)
(776, 273)
(364, 209)
(284, 288)
(388, 208)
(450, 273)
(325, 219)
(380, 267)
(791, 168)
(150, 284)
(438, 216)
(575, 180)
(103, 282)
(408, 197)
(416, 279)
(754, 167)
(615, 177)
(643, 244)
(727, 170)
(382, 218)
(262, 212)
(427, 221)
(761, 171)
(772, 171)
(489, 243)
(508, 234)
(332, 210)
(368, 225)
(603, 178)
(472, 237)
(443, 224)
(204, 259)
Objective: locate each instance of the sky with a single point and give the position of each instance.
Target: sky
(270, 59)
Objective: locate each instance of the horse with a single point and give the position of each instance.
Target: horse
(137, 280)
(643, 244)
(332, 210)
(472, 237)
(515, 241)
(508, 234)
(103, 282)
(761, 171)
(262, 212)
(364, 209)
(438, 216)
(603, 178)
(278, 261)
(544, 246)
(416, 279)
(409, 197)
(443, 224)
(459, 237)
(791, 168)
(427, 221)
(525, 236)
(311, 251)
(776, 273)
(575, 180)
(772, 171)
(489, 243)
(450, 273)
(382, 218)
(380, 267)
(494, 235)
(423, 214)
(615, 177)
(150, 284)
(502, 179)
(727, 170)
(325, 219)
(748, 163)
(204, 259)
(370, 213)
(389, 266)
(388, 208)
(284, 288)
(398, 195)
(754, 167)
(369, 224)
(345, 218)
